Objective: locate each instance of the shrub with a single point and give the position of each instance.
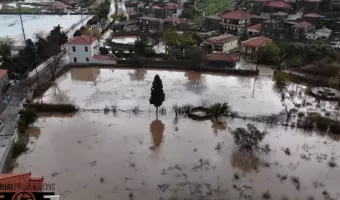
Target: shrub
(249, 139)
(217, 110)
(281, 78)
(19, 148)
(27, 117)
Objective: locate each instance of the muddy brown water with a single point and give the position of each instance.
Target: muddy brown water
(98, 156)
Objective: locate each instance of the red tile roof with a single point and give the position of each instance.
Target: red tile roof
(236, 14)
(256, 27)
(103, 57)
(221, 57)
(220, 40)
(303, 24)
(3, 72)
(82, 40)
(24, 180)
(257, 42)
(313, 1)
(312, 15)
(173, 6)
(278, 4)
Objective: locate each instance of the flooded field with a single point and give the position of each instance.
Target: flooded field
(134, 156)
(97, 156)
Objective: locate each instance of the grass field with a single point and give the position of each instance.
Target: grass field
(23, 10)
(212, 7)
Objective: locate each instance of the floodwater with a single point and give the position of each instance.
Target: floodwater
(95, 156)
(95, 88)
(134, 156)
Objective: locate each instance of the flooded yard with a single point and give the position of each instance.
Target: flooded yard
(134, 156)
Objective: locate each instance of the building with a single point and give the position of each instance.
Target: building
(85, 49)
(278, 6)
(221, 60)
(259, 6)
(324, 32)
(25, 180)
(235, 21)
(254, 30)
(311, 5)
(57, 7)
(251, 46)
(300, 29)
(4, 80)
(213, 22)
(280, 16)
(172, 9)
(222, 43)
(148, 23)
(181, 23)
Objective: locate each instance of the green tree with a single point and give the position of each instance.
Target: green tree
(6, 44)
(334, 82)
(140, 47)
(187, 13)
(56, 36)
(217, 110)
(244, 36)
(77, 33)
(198, 38)
(195, 56)
(249, 139)
(157, 94)
(170, 37)
(122, 17)
(271, 54)
(29, 54)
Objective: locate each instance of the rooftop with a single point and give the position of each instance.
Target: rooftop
(221, 57)
(220, 40)
(22, 179)
(255, 27)
(278, 4)
(256, 42)
(236, 14)
(312, 15)
(82, 40)
(103, 57)
(3, 72)
(313, 1)
(302, 24)
(279, 13)
(173, 6)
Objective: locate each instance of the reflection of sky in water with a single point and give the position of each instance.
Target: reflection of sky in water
(128, 88)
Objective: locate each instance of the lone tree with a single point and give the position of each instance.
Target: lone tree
(249, 139)
(157, 93)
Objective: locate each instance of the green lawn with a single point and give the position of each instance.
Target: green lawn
(24, 10)
(212, 7)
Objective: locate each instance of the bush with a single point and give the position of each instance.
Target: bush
(281, 78)
(27, 117)
(217, 110)
(59, 108)
(249, 139)
(19, 148)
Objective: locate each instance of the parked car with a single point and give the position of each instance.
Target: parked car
(1, 125)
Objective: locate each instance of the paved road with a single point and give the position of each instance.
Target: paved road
(17, 93)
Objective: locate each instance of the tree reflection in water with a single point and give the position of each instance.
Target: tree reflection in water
(34, 131)
(157, 129)
(196, 82)
(218, 126)
(138, 75)
(245, 161)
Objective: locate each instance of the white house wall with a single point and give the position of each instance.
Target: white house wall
(80, 52)
(230, 45)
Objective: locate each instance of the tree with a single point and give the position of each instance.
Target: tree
(170, 37)
(122, 17)
(249, 139)
(217, 110)
(6, 44)
(55, 64)
(77, 33)
(29, 54)
(91, 32)
(157, 94)
(195, 56)
(244, 36)
(188, 13)
(56, 36)
(198, 38)
(271, 54)
(334, 82)
(140, 47)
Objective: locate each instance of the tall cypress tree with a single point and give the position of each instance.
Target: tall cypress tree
(157, 93)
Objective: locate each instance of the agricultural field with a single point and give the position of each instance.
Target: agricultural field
(213, 7)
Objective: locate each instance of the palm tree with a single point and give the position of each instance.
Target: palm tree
(217, 110)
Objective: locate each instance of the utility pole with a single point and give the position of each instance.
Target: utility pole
(22, 25)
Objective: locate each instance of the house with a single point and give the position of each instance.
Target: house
(173, 9)
(158, 11)
(280, 16)
(181, 23)
(300, 29)
(278, 6)
(149, 23)
(259, 6)
(4, 80)
(254, 30)
(213, 22)
(57, 7)
(221, 60)
(251, 46)
(25, 180)
(324, 32)
(312, 18)
(85, 49)
(222, 43)
(311, 5)
(235, 21)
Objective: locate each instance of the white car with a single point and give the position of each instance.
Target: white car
(311, 36)
(1, 125)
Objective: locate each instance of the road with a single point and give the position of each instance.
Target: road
(9, 115)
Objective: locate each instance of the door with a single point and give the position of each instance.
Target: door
(75, 59)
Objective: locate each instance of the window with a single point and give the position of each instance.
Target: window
(86, 49)
(75, 59)
(87, 59)
(74, 49)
